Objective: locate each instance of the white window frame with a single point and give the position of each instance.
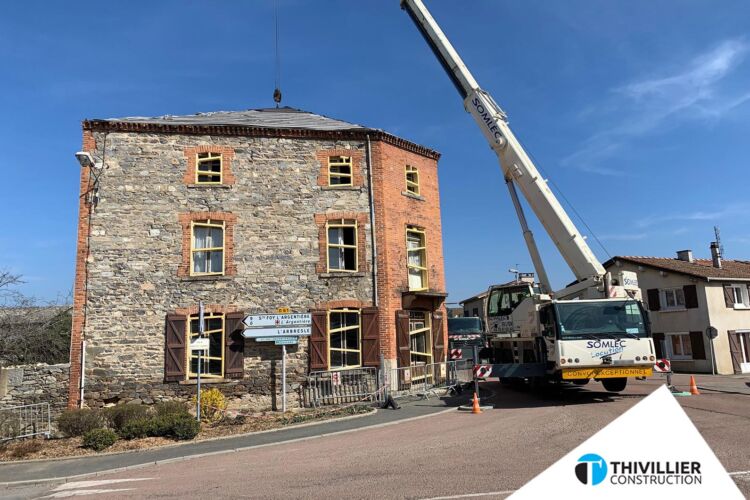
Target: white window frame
(684, 342)
(675, 292)
(741, 291)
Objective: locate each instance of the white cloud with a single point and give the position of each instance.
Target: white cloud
(661, 100)
(731, 210)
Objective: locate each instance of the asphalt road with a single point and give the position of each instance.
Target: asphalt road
(449, 454)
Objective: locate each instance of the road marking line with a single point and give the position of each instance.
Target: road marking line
(78, 493)
(740, 473)
(89, 484)
(472, 495)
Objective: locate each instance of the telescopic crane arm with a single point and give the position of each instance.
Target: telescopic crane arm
(517, 167)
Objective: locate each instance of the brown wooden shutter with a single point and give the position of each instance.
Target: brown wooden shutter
(319, 341)
(658, 339)
(735, 351)
(696, 344)
(691, 296)
(438, 342)
(402, 338)
(728, 296)
(370, 337)
(234, 346)
(653, 299)
(174, 352)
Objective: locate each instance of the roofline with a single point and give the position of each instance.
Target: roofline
(473, 297)
(669, 270)
(251, 131)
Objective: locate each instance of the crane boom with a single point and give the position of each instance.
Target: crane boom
(515, 164)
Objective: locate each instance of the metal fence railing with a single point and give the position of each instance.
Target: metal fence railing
(25, 421)
(342, 386)
(426, 379)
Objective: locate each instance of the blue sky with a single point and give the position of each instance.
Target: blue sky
(638, 111)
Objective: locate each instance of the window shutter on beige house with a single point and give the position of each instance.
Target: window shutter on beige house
(319, 341)
(728, 296)
(402, 338)
(370, 337)
(438, 344)
(696, 343)
(234, 346)
(735, 350)
(658, 339)
(174, 352)
(653, 299)
(691, 296)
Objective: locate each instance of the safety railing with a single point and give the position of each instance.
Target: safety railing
(25, 421)
(426, 379)
(342, 386)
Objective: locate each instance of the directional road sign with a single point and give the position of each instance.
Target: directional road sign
(250, 333)
(199, 344)
(277, 320)
(286, 340)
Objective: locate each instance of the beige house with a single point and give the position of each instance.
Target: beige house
(686, 296)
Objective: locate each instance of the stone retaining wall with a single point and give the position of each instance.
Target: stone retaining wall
(38, 383)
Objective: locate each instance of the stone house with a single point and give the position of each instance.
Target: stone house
(685, 296)
(248, 212)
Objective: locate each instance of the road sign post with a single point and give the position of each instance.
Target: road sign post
(200, 351)
(712, 333)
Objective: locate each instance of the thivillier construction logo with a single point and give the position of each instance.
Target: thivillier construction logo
(637, 454)
(592, 469)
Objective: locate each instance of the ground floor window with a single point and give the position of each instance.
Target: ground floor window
(419, 338)
(678, 346)
(344, 338)
(212, 361)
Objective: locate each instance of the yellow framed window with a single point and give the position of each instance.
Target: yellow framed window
(412, 180)
(342, 245)
(420, 340)
(344, 339)
(416, 249)
(207, 248)
(208, 168)
(340, 171)
(212, 361)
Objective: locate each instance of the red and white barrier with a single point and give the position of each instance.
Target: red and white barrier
(482, 371)
(456, 354)
(663, 366)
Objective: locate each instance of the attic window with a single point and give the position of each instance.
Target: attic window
(340, 171)
(208, 168)
(412, 180)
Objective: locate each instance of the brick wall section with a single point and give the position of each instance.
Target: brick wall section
(393, 212)
(357, 157)
(227, 155)
(363, 227)
(230, 269)
(80, 281)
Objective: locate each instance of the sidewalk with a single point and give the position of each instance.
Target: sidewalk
(730, 384)
(49, 470)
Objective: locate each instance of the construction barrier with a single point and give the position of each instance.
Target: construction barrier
(342, 386)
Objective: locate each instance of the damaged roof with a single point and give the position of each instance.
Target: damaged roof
(699, 268)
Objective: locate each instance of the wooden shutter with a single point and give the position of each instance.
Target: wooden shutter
(658, 339)
(370, 337)
(319, 341)
(691, 296)
(402, 338)
(728, 296)
(234, 346)
(653, 299)
(696, 344)
(438, 342)
(174, 352)
(735, 351)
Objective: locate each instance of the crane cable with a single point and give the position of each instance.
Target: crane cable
(277, 75)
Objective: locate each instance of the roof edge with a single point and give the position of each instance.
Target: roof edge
(250, 131)
(670, 270)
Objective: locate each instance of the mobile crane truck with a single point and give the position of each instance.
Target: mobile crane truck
(595, 328)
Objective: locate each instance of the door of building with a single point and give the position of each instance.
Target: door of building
(739, 347)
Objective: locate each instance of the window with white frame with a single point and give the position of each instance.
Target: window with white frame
(740, 296)
(673, 298)
(678, 346)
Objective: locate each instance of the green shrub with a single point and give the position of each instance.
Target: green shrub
(213, 405)
(119, 416)
(77, 422)
(172, 407)
(99, 439)
(184, 428)
(138, 428)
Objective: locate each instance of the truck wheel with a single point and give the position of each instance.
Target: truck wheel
(581, 381)
(614, 384)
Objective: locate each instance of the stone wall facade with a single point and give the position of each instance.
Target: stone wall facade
(38, 383)
(133, 269)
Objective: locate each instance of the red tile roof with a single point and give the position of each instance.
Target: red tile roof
(699, 268)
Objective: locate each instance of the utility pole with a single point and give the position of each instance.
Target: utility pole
(201, 329)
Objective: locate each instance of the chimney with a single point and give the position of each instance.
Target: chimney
(715, 255)
(686, 255)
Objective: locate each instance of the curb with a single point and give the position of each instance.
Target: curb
(65, 479)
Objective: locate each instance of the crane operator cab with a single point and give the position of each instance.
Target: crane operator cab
(502, 301)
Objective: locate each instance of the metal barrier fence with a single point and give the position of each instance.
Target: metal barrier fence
(425, 379)
(25, 421)
(342, 386)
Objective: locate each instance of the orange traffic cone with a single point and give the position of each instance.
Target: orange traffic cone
(476, 408)
(693, 387)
